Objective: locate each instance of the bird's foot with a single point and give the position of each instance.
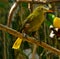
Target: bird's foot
(24, 35)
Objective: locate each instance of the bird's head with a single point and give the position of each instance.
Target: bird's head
(46, 9)
(43, 9)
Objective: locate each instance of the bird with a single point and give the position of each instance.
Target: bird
(33, 22)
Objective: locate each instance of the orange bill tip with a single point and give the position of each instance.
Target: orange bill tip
(49, 11)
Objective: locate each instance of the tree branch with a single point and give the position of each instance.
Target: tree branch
(30, 1)
(38, 2)
(30, 39)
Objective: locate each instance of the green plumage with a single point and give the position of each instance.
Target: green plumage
(35, 19)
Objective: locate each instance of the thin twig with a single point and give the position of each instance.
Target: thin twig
(30, 1)
(30, 39)
(38, 2)
(11, 12)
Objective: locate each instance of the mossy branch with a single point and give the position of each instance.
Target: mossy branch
(30, 39)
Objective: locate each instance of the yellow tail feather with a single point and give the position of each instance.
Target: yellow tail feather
(17, 43)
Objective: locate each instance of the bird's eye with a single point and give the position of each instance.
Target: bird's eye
(41, 8)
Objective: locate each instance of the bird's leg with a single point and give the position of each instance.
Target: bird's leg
(24, 30)
(37, 36)
(24, 35)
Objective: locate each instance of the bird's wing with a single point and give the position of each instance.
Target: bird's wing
(29, 19)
